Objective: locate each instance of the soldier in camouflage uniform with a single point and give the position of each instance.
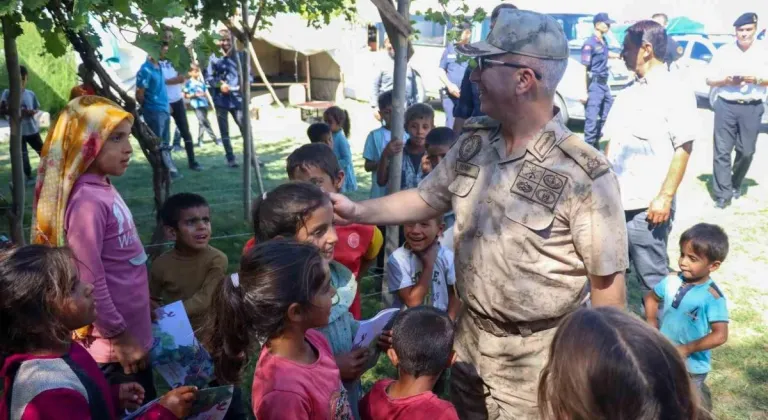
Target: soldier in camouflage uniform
(538, 213)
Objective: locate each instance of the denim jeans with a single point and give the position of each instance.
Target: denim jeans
(648, 248)
(160, 123)
(222, 117)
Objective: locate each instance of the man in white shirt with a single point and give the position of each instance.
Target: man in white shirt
(173, 85)
(651, 131)
(739, 76)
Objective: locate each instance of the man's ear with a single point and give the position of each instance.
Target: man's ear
(393, 357)
(339, 181)
(452, 359)
(170, 233)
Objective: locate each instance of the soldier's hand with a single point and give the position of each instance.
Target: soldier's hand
(453, 90)
(344, 209)
(659, 210)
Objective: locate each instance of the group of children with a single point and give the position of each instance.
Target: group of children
(294, 301)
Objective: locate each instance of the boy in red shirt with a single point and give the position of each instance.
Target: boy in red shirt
(358, 245)
(422, 347)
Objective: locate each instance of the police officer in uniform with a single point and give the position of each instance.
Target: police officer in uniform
(538, 212)
(739, 75)
(594, 55)
(450, 74)
(674, 51)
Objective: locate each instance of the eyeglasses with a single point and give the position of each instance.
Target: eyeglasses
(483, 63)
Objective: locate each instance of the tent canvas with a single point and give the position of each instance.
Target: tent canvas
(331, 49)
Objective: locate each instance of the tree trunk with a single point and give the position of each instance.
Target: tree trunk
(148, 142)
(400, 43)
(16, 214)
(245, 87)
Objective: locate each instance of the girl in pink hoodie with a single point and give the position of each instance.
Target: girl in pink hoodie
(46, 375)
(76, 205)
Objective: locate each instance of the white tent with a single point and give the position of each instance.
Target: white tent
(289, 49)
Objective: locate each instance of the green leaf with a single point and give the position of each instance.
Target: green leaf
(33, 5)
(80, 12)
(55, 42)
(205, 45)
(150, 43)
(122, 6)
(8, 7)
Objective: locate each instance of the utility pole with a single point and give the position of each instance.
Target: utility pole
(400, 43)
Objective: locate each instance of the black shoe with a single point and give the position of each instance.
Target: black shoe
(177, 149)
(233, 164)
(736, 193)
(196, 167)
(175, 176)
(218, 142)
(722, 203)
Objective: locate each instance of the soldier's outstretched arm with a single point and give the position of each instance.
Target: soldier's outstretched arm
(402, 207)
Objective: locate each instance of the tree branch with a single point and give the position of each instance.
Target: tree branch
(390, 16)
(256, 20)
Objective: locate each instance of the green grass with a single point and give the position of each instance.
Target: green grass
(739, 380)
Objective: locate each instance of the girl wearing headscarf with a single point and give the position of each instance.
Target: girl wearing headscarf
(76, 205)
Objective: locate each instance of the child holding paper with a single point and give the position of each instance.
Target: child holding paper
(303, 212)
(422, 349)
(45, 374)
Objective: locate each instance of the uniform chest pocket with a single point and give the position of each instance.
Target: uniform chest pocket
(527, 226)
(462, 185)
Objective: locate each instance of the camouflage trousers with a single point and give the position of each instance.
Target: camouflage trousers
(497, 377)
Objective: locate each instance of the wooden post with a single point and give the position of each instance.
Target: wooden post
(309, 80)
(245, 86)
(16, 215)
(400, 43)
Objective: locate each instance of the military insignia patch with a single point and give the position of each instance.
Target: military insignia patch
(679, 50)
(470, 147)
(467, 169)
(539, 184)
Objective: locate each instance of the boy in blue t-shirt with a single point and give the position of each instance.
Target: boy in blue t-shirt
(695, 314)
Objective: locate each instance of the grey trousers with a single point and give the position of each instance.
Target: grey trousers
(736, 127)
(648, 248)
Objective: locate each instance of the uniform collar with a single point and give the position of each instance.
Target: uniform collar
(542, 143)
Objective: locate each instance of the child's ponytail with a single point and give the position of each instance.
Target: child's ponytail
(347, 124)
(249, 307)
(228, 339)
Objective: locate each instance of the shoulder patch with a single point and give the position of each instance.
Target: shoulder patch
(479, 123)
(715, 291)
(591, 160)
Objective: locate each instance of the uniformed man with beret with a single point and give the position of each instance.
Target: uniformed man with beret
(739, 77)
(594, 56)
(674, 50)
(538, 213)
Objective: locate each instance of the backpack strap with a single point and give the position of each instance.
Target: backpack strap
(96, 403)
